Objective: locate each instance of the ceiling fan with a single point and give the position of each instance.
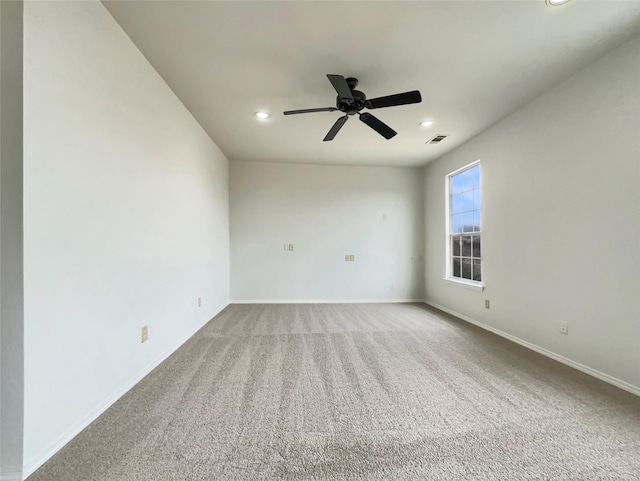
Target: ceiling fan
(352, 101)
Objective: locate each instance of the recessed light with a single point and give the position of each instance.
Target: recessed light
(426, 123)
(555, 3)
(262, 115)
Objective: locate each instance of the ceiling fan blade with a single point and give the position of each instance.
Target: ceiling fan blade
(378, 125)
(306, 111)
(340, 84)
(405, 98)
(336, 128)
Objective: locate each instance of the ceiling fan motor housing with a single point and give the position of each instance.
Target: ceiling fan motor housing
(353, 107)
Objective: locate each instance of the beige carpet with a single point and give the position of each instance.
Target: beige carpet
(356, 392)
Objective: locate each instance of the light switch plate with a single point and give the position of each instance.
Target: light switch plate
(145, 334)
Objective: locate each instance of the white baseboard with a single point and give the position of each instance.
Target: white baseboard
(323, 301)
(545, 352)
(55, 446)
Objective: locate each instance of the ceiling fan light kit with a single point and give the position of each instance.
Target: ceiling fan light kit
(351, 102)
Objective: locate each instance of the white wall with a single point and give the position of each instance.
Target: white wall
(561, 221)
(126, 220)
(327, 212)
(11, 235)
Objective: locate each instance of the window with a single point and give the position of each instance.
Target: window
(464, 245)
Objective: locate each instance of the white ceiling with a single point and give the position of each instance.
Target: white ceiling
(473, 61)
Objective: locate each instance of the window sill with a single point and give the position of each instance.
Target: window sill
(476, 286)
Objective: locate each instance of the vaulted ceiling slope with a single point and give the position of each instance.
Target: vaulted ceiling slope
(473, 61)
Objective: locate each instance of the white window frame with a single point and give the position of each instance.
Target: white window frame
(468, 283)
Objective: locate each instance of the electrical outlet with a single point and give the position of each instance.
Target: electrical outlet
(290, 247)
(199, 301)
(352, 258)
(487, 305)
(563, 327)
(346, 258)
(145, 334)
